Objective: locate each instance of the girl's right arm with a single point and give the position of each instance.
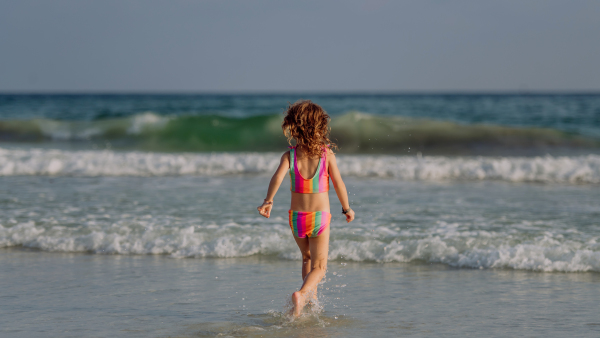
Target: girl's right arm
(284, 166)
(339, 186)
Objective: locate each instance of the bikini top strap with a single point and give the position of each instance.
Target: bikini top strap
(292, 156)
(325, 158)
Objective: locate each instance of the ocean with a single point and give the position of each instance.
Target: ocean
(135, 216)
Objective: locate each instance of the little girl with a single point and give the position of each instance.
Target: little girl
(308, 124)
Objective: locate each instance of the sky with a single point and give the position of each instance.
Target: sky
(291, 46)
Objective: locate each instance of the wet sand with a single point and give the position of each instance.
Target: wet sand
(80, 295)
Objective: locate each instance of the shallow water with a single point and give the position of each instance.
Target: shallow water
(82, 295)
(188, 256)
(539, 227)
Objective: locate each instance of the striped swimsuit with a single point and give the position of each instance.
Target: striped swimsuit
(309, 223)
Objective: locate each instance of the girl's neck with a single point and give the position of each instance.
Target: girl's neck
(303, 151)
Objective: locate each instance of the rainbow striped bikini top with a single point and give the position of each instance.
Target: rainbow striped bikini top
(316, 184)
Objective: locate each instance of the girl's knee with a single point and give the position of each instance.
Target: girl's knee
(319, 265)
(306, 256)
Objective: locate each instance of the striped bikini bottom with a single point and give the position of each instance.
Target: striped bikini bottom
(309, 223)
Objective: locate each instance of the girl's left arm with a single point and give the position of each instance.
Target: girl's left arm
(339, 186)
(284, 166)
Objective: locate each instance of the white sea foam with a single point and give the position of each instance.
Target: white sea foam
(548, 169)
(145, 237)
(471, 249)
(478, 250)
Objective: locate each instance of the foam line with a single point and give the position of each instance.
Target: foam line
(480, 249)
(548, 169)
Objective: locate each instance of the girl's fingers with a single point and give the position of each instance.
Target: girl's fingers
(264, 210)
(261, 211)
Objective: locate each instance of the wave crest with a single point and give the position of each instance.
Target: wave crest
(354, 132)
(478, 249)
(548, 169)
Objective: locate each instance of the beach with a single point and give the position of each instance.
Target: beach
(139, 140)
(144, 256)
(127, 219)
(83, 295)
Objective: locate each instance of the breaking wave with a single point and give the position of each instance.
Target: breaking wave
(444, 243)
(354, 132)
(547, 169)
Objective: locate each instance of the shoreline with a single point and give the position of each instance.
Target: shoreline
(150, 296)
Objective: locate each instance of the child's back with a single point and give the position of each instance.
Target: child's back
(310, 164)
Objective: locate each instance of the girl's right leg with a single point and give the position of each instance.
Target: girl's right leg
(319, 250)
(305, 251)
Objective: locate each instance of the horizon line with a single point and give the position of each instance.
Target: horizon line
(306, 92)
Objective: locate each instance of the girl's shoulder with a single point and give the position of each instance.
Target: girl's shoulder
(330, 157)
(285, 159)
(329, 151)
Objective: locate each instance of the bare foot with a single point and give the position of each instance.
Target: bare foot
(298, 301)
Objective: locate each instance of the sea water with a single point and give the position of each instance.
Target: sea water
(503, 125)
(120, 216)
(536, 227)
(156, 257)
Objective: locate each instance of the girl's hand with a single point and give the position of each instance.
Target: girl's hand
(350, 216)
(265, 209)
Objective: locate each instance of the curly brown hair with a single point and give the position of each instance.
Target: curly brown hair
(308, 124)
